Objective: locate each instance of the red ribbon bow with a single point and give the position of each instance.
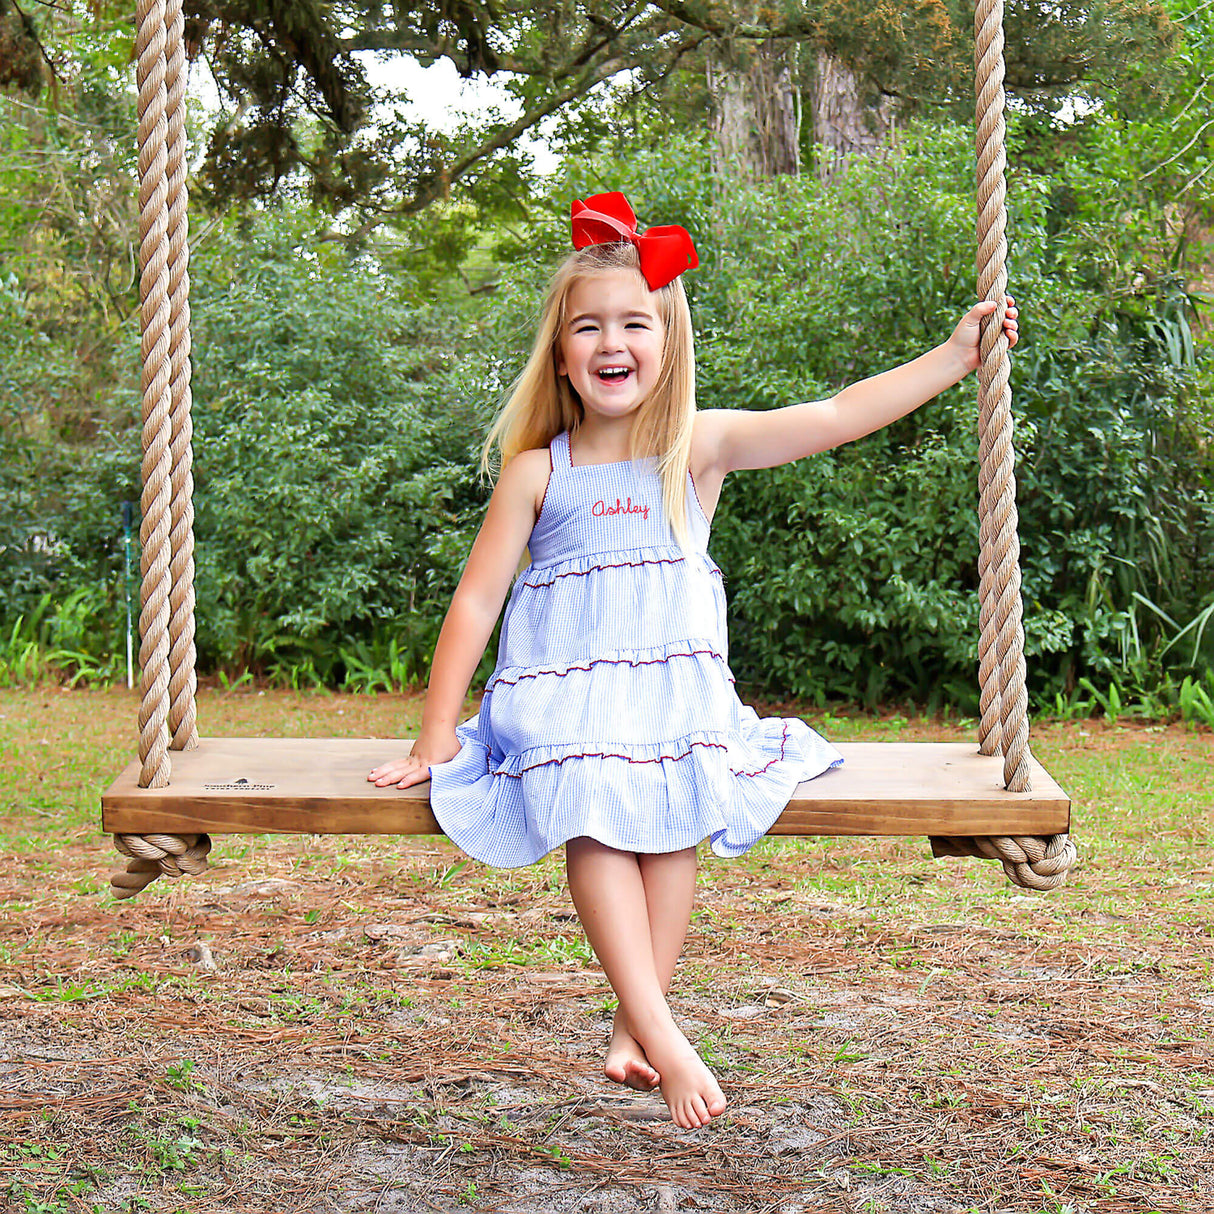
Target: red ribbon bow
(607, 218)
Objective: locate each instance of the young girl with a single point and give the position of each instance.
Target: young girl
(610, 724)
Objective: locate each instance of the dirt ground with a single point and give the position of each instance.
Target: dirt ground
(336, 1025)
(395, 1041)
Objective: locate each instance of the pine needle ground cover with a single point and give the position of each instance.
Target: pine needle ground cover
(377, 1024)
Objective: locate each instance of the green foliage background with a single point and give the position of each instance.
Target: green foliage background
(341, 392)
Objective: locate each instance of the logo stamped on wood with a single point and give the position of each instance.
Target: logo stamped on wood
(240, 785)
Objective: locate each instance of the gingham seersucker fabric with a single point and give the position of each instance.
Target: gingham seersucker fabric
(612, 711)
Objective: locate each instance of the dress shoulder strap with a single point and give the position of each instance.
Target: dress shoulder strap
(558, 449)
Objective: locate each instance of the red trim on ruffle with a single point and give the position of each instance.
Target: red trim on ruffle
(594, 754)
(665, 560)
(777, 759)
(605, 662)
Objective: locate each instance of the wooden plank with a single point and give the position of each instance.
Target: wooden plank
(319, 786)
(922, 788)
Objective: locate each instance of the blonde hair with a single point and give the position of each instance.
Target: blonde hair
(541, 403)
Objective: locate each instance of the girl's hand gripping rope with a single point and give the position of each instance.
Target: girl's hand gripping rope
(967, 335)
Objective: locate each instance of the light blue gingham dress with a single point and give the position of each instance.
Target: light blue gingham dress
(612, 711)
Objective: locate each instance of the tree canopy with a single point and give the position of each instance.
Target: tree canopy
(299, 105)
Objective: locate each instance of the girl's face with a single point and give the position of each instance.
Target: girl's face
(611, 343)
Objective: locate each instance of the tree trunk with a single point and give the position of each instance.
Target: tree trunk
(846, 120)
(757, 110)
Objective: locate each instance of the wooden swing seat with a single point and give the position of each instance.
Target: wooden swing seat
(320, 786)
(227, 786)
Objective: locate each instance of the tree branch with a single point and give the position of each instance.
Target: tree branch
(31, 32)
(806, 27)
(438, 183)
(428, 51)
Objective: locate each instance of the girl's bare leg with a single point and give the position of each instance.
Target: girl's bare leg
(670, 883)
(609, 894)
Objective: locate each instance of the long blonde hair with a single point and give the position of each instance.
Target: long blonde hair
(541, 403)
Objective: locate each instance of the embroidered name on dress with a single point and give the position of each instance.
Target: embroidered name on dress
(601, 509)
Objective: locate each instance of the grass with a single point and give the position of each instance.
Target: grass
(389, 1025)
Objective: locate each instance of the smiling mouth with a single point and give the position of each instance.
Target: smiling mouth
(614, 375)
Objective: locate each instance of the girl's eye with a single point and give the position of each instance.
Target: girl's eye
(636, 324)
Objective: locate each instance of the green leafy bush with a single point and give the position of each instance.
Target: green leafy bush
(335, 427)
(340, 401)
(853, 573)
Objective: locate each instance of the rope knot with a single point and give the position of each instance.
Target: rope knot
(1030, 861)
(153, 856)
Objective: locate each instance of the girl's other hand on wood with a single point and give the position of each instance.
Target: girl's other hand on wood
(414, 768)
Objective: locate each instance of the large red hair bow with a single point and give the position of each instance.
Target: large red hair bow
(606, 218)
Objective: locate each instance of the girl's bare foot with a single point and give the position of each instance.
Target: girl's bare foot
(689, 1088)
(626, 1062)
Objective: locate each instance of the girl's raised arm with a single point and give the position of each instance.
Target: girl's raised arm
(474, 609)
(735, 439)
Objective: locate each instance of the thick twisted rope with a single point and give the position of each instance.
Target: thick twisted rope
(157, 395)
(182, 676)
(1034, 863)
(990, 731)
(166, 533)
(997, 480)
(993, 367)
